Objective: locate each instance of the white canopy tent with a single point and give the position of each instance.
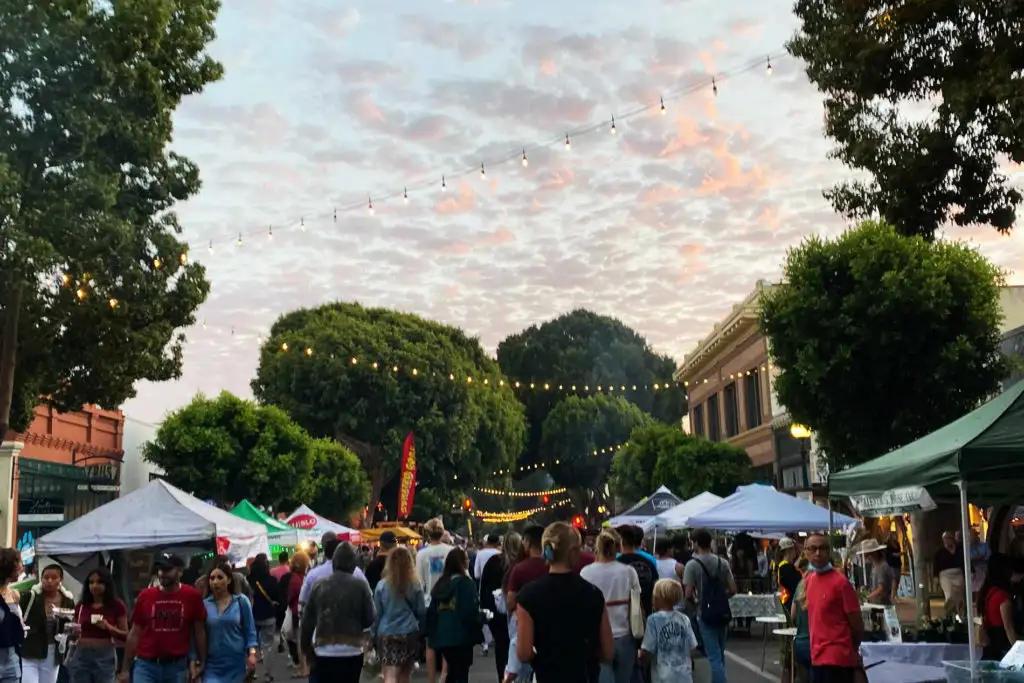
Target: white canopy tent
(678, 517)
(315, 526)
(156, 515)
(660, 501)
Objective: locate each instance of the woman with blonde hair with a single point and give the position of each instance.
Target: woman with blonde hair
(620, 585)
(564, 630)
(400, 610)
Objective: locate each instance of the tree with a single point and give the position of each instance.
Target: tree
(880, 339)
(581, 349)
(337, 485)
(93, 278)
(632, 471)
(366, 377)
(690, 465)
(960, 60)
(578, 440)
(227, 449)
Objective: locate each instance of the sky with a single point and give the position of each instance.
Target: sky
(336, 106)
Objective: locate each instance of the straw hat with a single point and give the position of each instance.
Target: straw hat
(870, 545)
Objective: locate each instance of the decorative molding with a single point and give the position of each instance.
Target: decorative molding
(50, 441)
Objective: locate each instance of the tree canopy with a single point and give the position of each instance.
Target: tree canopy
(227, 449)
(368, 376)
(94, 279)
(586, 349)
(875, 62)
(880, 339)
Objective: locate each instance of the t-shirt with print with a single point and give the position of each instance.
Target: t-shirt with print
(566, 611)
(670, 639)
(647, 572)
(695, 576)
(527, 571)
(830, 597)
(166, 620)
(430, 564)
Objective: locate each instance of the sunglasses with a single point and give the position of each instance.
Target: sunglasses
(816, 548)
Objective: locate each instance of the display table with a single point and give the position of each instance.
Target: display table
(924, 654)
(899, 672)
(745, 606)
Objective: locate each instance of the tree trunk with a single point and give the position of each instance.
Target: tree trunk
(9, 356)
(373, 462)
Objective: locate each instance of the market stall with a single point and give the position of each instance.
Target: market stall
(678, 517)
(305, 519)
(278, 533)
(401, 532)
(761, 508)
(660, 501)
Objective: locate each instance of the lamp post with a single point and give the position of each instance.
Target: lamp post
(803, 435)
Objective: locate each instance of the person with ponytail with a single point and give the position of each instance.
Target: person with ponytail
(616, 581)
(563, 626)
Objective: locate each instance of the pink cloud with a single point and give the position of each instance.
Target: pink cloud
(558, 179)
(364, 109)
(687, 136)
(691, 250)
(498, 237)
(707, 61)
(547, 67)
(730, 175)
(462, 201)
(661, 194)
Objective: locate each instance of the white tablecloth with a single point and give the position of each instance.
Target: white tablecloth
(898, 672)
(924, 654)
(749, 606)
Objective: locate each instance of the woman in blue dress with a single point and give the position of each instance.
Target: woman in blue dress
(231, 630)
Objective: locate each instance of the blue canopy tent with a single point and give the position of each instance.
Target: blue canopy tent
(760, 508)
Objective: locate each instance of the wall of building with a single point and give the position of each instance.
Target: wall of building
(1011, 301)
(136, 472)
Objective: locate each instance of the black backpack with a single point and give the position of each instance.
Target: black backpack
(714, 603)
(12, 633)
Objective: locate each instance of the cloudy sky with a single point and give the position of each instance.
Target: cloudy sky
(664, 225)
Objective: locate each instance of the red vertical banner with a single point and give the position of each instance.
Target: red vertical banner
(407, 481)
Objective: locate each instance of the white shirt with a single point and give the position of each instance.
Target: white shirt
(615, 580)
(667, 568)
(430, 564)
(322, 571)
(481, 560)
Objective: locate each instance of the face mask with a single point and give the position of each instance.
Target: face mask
(822, 570)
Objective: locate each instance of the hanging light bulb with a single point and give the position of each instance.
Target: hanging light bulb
(113, 303)
(239, 239)
(526, 162)
(335, 214)
(444, 186)
(369, 207)
(80, 293)
(568, 145)
(483, 173)
(302, 224)
(405, 195)
(769, 69)
(270, 232)
(613, 131)
(714, 87)
(157, 263)
(183, 259)
(663, 110)
(65, 278)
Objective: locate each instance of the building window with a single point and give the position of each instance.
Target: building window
(732, 411)
(794, 478)
(697, 420)
(714, 420)
(752, 398)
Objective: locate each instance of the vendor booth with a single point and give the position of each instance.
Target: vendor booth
(761, 508)
(305, 519)
(679, 516)
(660, 501)
(401, 532)
(278, 533)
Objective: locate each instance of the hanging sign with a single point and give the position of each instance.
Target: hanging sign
(407, 482)
(303, 521)
(899, 501)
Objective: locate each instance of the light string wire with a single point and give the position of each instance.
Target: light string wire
(520, 515)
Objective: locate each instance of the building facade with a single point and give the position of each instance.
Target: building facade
(63, 466)
(136, 472)
(728, 387)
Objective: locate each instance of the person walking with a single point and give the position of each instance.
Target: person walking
(100, 618)
(563, 626)
(668, 567)
(802, 640)
(669, 641)
(492, 543)
(834, 617)
(429, 568)
(645, 566)
(375, 568)
(492, 582)
(401, 609)
(264, 608)
(283, 566)
(949, 568)
(708, 583)
(12, 628)
(338, 613)
(232, 640)
(454, 627)
(291, 588)
(619, 585)
(995, 606)
(165, 622)
(40, 661)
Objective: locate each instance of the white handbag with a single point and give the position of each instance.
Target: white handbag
(637, 624)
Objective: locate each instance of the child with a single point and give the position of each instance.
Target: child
(669, 637)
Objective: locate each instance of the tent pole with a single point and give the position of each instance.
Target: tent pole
(965, 526)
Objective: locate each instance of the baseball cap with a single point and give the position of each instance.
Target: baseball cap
(786, 543)
(388, 538)
(168, 561)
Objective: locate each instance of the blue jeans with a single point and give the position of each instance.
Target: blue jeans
(93, 665)
(621, 668)
(714, 649)
(160, 671)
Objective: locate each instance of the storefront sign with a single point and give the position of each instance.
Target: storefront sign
(36, 510)
(303, 521)
(102, 477)
(899, 501)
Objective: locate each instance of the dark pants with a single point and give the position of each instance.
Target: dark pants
(93, 665)
(337, 670)
(499, 630)
(459, 660)
(293, 651)
(832, 674)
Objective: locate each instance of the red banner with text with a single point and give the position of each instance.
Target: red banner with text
(407, 480)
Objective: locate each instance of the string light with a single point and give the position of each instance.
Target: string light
(239, 239)
(270, 232)
(157, 263)
(302, 224)
(510, 517)
(444, 186)
(714, 87)
(732, 376)
(80, 293)
(183, 259)
(663, 110)
(211, 246)
(568, 145)
(526, 162)
(770, 70)
(520, 494)
(483, 173)
(113, 303)
(370, 206)
(610, 450)
(613, 130)
(405, 195)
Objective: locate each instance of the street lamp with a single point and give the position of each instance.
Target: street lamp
(798, 431)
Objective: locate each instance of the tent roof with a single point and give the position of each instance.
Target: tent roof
(157, 514)
(247, 510)
(323, 525)
(761, 508)
(985, 447)
(658, 502)
(679, 516)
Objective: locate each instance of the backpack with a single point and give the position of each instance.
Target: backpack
(12, 633)
(714, 603)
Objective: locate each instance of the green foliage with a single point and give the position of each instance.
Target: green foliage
(961, 61)
(577, 427)
(881, 339)
(462, 428)
(584, 348)
(228, 449)
(87, 188)
(689, 465)
(337, 486)
(632, 471)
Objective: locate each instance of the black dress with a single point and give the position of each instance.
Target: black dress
(491, 577)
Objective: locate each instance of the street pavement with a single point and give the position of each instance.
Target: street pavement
(743, 664)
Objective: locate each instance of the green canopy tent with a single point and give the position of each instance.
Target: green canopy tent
(977, 456)
(278, 532)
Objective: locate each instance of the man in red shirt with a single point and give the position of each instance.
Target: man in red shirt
(532, 568)
(834, 618)
(164, 622)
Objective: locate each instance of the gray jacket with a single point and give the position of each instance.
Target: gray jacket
(339, 610)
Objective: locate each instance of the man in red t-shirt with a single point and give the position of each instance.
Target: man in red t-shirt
(834, 618)
(164, 622)
(532, 568)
